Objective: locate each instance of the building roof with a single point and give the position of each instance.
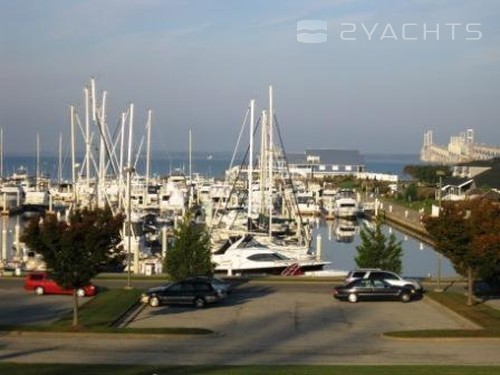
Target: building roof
(489, 178)
(456, 181)
(328, 156)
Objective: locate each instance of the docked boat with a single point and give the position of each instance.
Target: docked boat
(307, 204)
(245, 255)
(345, 204)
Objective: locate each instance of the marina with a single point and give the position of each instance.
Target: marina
(265, 213)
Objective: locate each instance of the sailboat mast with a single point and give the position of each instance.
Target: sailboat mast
(263, 164)
(148, 148)
(250, 164)
(37, 160)
(130, 135)
(1, 152)
(190, 156)
(270, 182)
(87, 134)
(102, 151)
(122, 142)
(59, 169)
(73, 151)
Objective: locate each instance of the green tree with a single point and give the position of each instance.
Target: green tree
(410, 193)
(468, 234)
(190, 254)
(426, 173)
(378, 250)
(75, 251)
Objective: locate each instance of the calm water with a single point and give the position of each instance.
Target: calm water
(419, 260)
(207, 164)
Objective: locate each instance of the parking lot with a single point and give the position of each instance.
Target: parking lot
(19, 307)
(286, 312)
(260, 323)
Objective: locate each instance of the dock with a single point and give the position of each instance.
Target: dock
(405, 219)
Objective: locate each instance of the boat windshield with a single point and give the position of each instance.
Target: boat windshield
(250, 241)
(267, 257)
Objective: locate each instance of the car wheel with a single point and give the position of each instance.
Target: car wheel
(411, 288)
(80, 292)
(39, 291)
(352, 298)
(199, 303)
(154, 302)
(405, 297)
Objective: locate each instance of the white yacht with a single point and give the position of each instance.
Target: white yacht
(245, 255)
(345, 204)
(307, 205)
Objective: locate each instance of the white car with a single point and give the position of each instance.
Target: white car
(388, 276)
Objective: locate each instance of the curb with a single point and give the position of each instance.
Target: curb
(128, 315)
(468, 324)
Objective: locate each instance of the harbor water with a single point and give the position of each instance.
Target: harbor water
(419, 260)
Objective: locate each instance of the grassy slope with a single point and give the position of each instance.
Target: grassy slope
(480, 313)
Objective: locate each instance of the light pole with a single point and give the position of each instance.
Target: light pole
(440, 174)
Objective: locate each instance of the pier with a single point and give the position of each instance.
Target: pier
(404, 219)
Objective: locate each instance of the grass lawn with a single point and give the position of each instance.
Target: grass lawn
(486, 317)
(54, 369)
(99, 314)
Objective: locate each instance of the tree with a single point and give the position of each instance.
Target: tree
(378, 250)
(426, 173)
(75, 251)
(190, 254)
(468, 234)
(410, 193)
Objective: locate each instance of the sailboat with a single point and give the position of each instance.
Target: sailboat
(275, 233)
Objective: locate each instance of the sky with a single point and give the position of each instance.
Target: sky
(380, 79)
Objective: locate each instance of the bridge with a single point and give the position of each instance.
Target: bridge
(461, 149)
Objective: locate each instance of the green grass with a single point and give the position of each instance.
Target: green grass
(104, 309)
(426, 204)
(486, 317)
(99, 314)
(479, 313)
(54, 369)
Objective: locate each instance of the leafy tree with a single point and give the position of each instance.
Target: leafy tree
(410, 193)
(426, 173)
(468, 234)
(378, 250)
(190, 254)
(75, 251)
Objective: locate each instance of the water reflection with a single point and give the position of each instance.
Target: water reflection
(339, 241)
(340, 238)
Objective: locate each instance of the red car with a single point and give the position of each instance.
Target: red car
(41, 283)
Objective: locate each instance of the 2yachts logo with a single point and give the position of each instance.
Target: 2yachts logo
(314, 31)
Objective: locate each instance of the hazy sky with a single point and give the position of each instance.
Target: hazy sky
(196, 64)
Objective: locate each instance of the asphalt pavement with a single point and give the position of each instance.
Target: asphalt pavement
(267, 323)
